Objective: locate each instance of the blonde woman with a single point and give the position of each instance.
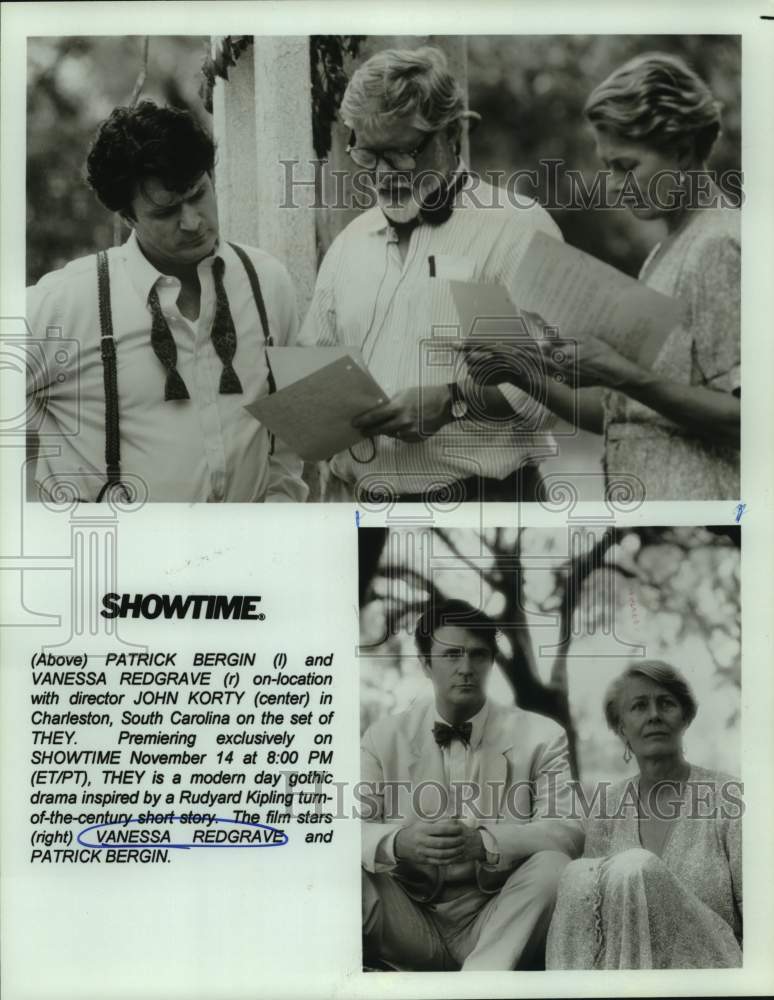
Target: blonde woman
(674, 426)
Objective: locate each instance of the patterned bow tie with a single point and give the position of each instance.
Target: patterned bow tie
(443, 734)
(223, 336)
(165, 349)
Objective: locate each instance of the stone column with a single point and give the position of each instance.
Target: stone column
(263, 116)
(233, 108)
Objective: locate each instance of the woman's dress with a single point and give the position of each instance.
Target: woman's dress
(701, 267)
(622, 907)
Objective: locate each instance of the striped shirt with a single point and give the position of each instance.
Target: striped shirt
(400, 314)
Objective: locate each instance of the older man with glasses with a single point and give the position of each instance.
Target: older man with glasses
(383, 289)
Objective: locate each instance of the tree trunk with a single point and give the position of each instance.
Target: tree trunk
(371, 542)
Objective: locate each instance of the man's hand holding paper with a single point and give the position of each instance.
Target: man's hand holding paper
(319, 392)
(516, 359)
(411, 415)
(526, 361)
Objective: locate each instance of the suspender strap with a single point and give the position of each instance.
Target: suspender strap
(110, 375)
(255, 285)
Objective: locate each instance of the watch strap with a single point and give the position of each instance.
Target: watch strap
(459, 405)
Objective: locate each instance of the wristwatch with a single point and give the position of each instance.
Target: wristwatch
(459, 405)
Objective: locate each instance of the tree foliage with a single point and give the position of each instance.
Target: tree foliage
(628, 591)
(530, 91)
(327, 54)
(73, 83)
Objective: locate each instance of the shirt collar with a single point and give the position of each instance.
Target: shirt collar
(478, 724)
(378, 223)
(144, 275)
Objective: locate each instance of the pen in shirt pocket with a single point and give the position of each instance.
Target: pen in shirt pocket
(431, 264)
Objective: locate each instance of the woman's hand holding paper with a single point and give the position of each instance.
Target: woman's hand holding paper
(528, 362)
(586, 362)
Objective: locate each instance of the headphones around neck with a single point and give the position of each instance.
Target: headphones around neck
(438, 208)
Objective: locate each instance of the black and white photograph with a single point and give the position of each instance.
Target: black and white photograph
(450, 306)
(346, 268)
(551, 749)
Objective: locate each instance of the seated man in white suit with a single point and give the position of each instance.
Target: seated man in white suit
(463, 840)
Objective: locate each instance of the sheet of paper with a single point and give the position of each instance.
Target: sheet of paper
(313, 415)
(484, 310)
(234, 701)
(581, 295)
(577, 294)
(290, 364)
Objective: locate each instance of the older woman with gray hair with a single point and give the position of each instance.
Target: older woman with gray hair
(659, 885)
(674, 426)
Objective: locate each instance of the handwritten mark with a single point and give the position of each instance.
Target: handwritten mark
(740, 509)
(268, 837)
(357, 518)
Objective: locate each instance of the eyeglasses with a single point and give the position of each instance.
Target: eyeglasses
(397, 159)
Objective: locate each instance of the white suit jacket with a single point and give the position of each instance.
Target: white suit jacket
(524, 775)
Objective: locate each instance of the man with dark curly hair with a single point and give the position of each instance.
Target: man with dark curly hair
(172, 330)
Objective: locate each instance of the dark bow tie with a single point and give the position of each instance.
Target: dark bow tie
(223, 334)
(443, 734)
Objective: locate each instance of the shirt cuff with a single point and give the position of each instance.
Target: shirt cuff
(491, 847)
(536, 417)
(727, 381)
(384, 855)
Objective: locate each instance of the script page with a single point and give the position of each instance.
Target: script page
(580, 295)
(575, 295)
(313, 414)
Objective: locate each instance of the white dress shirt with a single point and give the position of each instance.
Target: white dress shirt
(392, 309)
(206, 448)
(461, 766)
